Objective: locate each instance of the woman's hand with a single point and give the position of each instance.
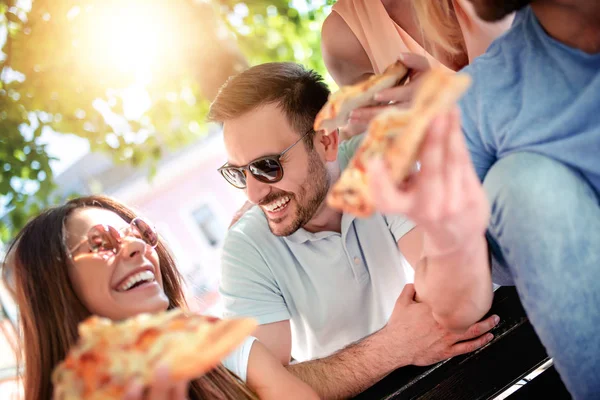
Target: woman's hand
(162, 388)
(398, 96)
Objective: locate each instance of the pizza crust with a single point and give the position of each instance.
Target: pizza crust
(336, 111)
(396, 136)
(110, 355)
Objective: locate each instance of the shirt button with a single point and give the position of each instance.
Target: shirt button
(356, 260)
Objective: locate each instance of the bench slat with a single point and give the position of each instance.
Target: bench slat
(515, 352)
(546, 385)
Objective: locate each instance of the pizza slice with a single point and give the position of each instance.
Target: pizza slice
(336, 111)
(396, 136)
(110, 355)
(351, 192)
(439, 91)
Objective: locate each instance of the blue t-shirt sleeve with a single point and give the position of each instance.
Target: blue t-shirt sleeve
(248, 287)
(472, 127)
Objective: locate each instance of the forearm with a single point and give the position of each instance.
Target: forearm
(351, 370)
(457, 286)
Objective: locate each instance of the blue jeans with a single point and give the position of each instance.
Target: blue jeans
(544, 237)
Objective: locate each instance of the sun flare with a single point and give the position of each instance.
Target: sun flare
(129, 38)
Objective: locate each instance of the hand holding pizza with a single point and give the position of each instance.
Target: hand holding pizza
(162, 388)
(397, 96)
(147, 356)
(445, 198)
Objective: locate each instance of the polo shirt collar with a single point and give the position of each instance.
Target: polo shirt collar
(303, 236)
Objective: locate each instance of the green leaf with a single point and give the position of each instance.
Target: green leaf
(66, 74)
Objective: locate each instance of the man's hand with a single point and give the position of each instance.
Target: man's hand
(411, 337)
(414, 332)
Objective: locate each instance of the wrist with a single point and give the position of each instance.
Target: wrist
(436, 283)
(392, 347)
(447, 244)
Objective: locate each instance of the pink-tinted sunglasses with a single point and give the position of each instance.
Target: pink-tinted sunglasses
(104, 238)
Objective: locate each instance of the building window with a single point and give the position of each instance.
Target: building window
(209, 225)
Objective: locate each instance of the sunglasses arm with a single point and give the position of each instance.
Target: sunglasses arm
(72, 249)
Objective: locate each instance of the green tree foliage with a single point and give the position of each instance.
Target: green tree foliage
(61, 69)
(279, 30)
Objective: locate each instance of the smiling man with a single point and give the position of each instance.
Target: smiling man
(329, 290)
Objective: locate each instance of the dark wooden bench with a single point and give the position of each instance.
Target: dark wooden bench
(514, 353)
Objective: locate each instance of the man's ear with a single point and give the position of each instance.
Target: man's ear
(328, 144)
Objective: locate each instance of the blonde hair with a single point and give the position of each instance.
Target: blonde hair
(439, 23)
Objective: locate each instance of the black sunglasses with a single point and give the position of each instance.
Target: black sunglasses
(266, 169)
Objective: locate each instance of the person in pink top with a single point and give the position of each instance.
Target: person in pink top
(363, 37)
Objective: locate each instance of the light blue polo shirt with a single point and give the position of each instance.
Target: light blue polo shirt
(334, 288)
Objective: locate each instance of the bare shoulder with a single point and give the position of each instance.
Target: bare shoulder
(344, 56)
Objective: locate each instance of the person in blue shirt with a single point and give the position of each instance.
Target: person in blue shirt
(531, 124)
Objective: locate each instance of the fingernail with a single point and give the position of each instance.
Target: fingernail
(401, 57)
(135, 389)
(489, 337)
(496, 319)
(161, 371)
(375, 163)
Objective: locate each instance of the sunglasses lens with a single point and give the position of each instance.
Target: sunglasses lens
(147, 232)
(235, 177)
(267, 170)
(103, 238)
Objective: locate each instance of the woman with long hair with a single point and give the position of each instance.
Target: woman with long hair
(74, 261)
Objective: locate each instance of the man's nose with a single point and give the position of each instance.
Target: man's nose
(256, 190)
